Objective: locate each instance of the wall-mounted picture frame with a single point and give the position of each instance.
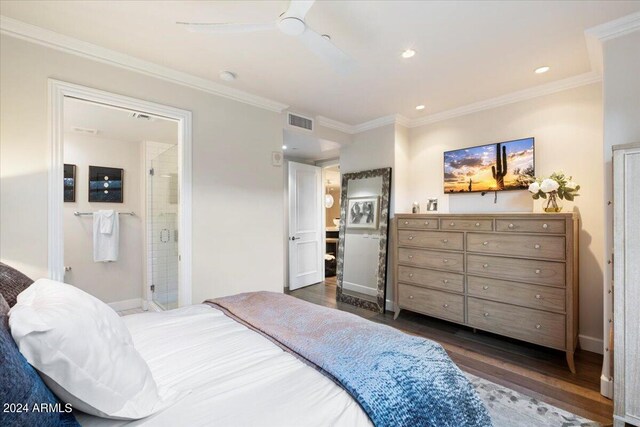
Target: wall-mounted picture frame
(363, 212)
(106, 184)
(69, 183)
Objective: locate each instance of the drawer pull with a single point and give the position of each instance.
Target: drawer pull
(538, 296)
(445, 260)
(537, 271)
(410, 274)
(452, 224)
(445, 305)
(511, 225)
(545, 225)
(410, 256)
(485, 243)
(445, 280)
(485, 265)
(486, 314)
(410, 296)
(538, 326)
(426, 223)
(536, 246)
(445, 241)
(485, 287)
(410, 237)
(477, 224)
(406, 223)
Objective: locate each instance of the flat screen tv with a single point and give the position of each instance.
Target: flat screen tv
(508, 165)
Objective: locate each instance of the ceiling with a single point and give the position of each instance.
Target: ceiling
(308, 147)
(466, 51)
(116, 123)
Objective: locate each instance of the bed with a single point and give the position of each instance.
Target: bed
(254, 359)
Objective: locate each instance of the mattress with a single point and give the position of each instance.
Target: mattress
(235, 376)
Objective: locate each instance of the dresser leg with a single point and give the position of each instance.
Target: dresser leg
(396, 314)
(570, 362)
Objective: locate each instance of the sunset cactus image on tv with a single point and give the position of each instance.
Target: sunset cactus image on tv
(502, 166)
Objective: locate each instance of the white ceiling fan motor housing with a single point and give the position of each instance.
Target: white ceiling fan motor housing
(291, 26)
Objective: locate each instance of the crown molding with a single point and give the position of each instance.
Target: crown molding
(38, 35)
(521, 95)
(595, 36)
(335, 124)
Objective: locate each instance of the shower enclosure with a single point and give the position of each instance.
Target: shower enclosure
(162, 223)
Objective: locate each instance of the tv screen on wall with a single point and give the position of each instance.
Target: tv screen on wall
(506, 165)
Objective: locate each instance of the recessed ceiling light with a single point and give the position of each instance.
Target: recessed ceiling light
(420, 107)
(227, 76)
(409, 53)
(284, 147)
(542, 70)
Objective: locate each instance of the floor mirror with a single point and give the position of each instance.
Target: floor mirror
(363, 238)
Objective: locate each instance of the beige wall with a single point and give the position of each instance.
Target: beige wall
(112, 281)
(237, 193)
(567, 127)
(621, 126)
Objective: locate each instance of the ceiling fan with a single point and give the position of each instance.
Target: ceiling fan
(290, 23)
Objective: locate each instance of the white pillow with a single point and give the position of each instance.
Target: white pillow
(85, 352)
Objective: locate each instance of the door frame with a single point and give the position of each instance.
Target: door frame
(320, 214)
(58, 90)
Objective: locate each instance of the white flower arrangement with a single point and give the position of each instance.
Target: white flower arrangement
(552, 188)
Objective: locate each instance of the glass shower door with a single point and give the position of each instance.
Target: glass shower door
(163, 228)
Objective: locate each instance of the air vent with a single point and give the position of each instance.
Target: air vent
(85, 130)
(301, 122)
(141, 116)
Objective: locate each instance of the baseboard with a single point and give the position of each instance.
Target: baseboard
(128, 304)
(606, 386)
(595, 345)
(359, 288)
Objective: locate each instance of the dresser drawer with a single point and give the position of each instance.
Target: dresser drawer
(466, 224)
(432, 259)
(426, 223)
(551, 247)
(434, 303)
(436, 279)
(431, 239)
(554, 226)
(525, 270)
(527, 324)
(525, 294)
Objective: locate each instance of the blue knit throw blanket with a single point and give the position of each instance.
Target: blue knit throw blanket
(398, 379)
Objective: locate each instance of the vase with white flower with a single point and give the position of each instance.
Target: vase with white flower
(555, 187)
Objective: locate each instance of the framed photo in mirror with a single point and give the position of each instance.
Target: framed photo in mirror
(363, 212)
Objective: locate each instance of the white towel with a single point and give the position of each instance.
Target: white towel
(106, 235)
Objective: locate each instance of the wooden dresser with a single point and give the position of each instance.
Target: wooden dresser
(510, 274)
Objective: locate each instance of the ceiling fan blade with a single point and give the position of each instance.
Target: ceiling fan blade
(224, 28)
(299, 8)
(323, 47)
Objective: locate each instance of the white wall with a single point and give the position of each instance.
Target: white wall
(621, 126)
(113, 281)
(567, 127)
(237, 193)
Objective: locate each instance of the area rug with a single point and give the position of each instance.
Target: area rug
(508, 408)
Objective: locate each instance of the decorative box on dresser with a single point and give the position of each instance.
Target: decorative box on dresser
(626, 283)
(514, 274)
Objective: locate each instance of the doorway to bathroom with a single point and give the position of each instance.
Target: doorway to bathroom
(129, 159)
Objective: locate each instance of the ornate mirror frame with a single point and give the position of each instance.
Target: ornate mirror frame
(385, 196)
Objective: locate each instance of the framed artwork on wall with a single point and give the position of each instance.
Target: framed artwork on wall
(363, 212)
(105, 184)
(69, 183)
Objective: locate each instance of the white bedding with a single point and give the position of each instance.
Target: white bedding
(236, 376)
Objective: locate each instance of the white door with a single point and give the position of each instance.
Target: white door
(305, 225)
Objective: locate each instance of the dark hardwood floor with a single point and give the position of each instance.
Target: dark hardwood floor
(529, 369)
